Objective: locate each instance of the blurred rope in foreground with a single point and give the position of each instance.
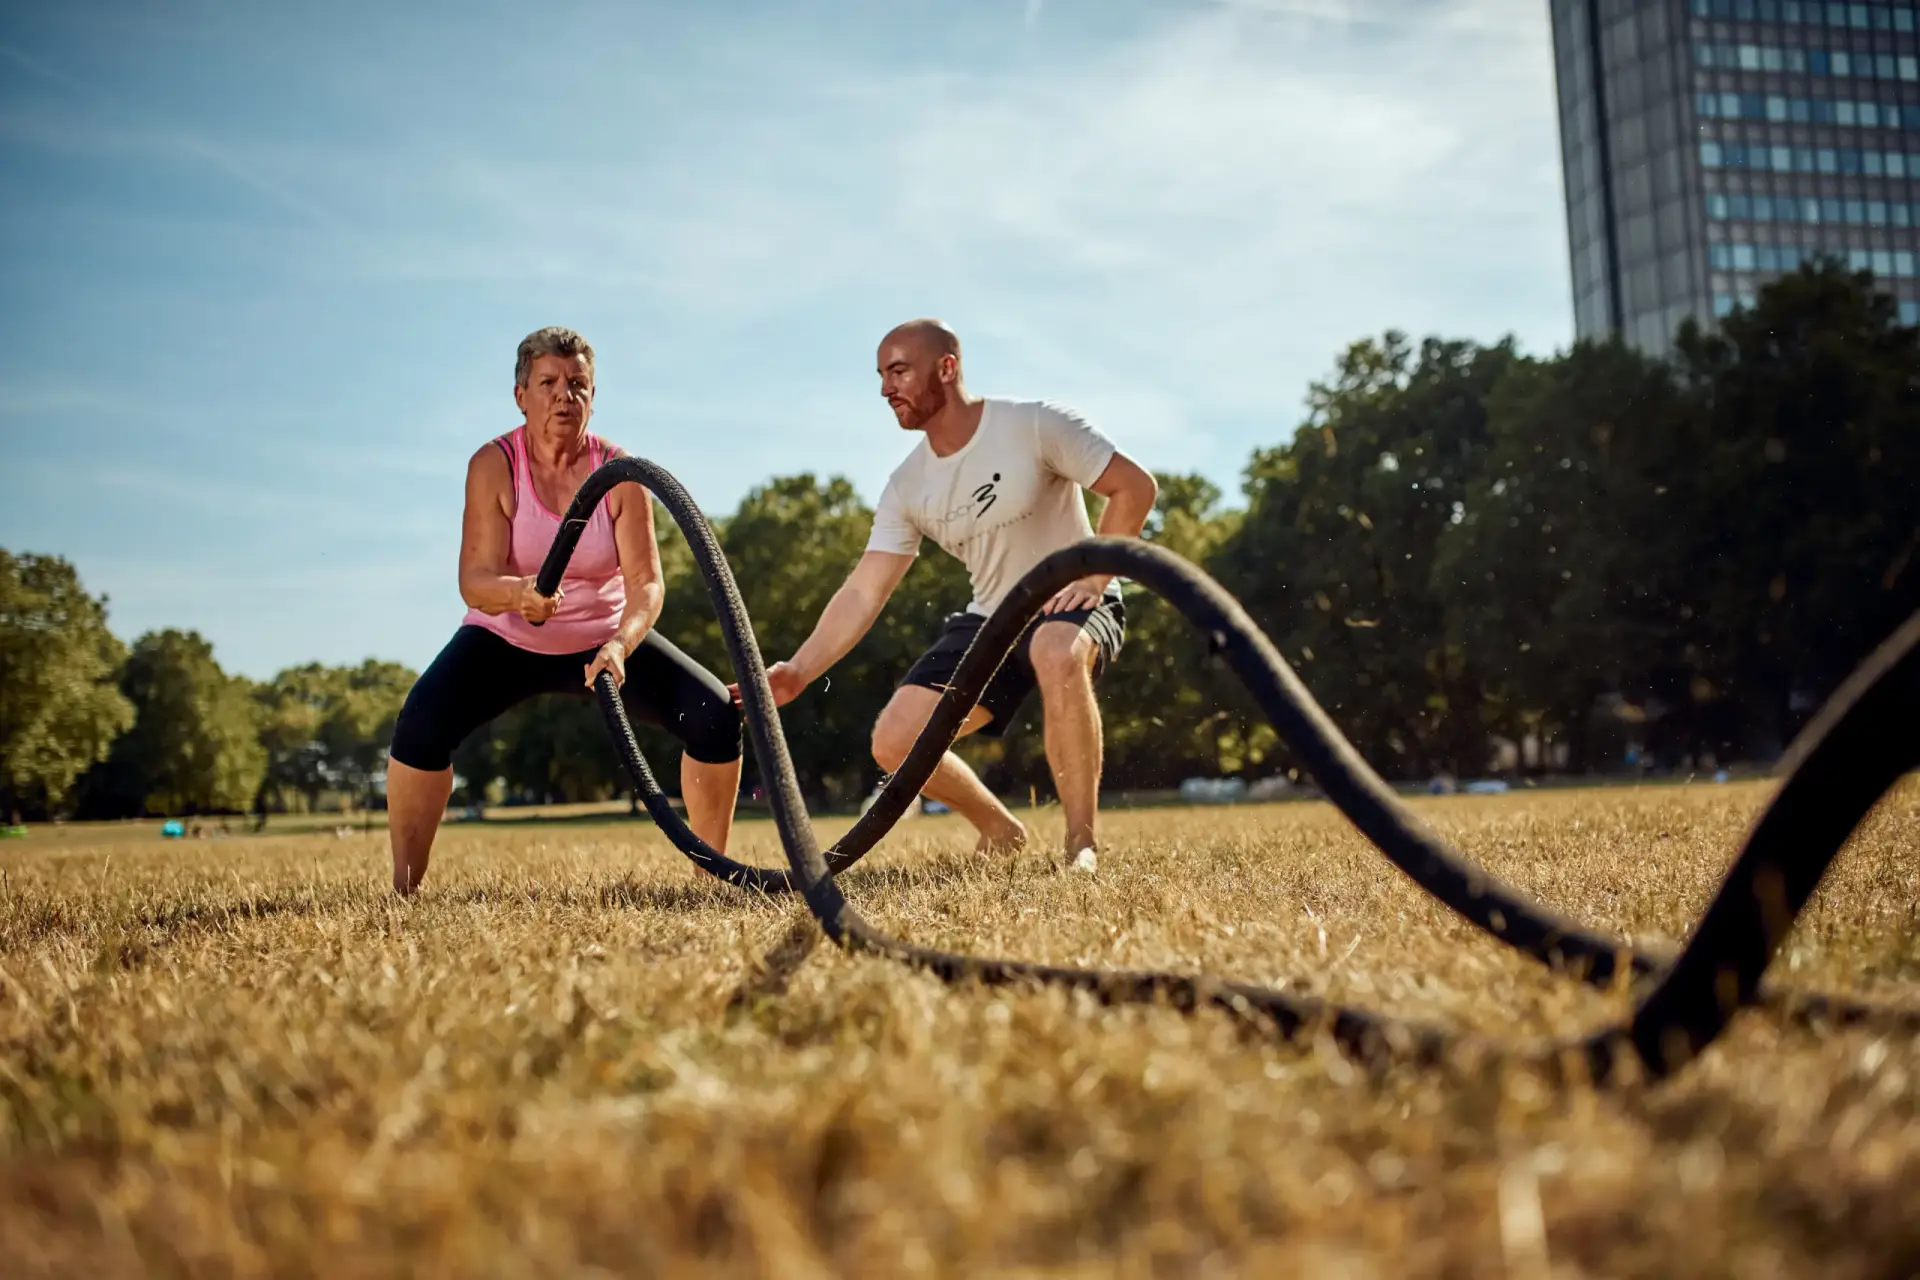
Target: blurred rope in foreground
(1858, 746)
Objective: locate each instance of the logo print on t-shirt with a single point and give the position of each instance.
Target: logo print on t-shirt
(985, 494)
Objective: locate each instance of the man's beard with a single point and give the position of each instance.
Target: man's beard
(922, 411)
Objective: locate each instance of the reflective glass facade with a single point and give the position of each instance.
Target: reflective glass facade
(1709, 145)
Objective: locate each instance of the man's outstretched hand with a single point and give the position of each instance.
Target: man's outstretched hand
(783, 678)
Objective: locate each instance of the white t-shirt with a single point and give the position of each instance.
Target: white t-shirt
(1009, 497)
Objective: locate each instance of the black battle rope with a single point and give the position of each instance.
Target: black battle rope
(1839, 767)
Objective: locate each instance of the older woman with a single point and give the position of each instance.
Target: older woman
(600, 618)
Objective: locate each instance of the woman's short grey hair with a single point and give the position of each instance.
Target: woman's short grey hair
(550, 341)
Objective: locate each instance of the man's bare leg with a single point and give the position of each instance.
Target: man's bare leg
(953, 783)
(1062, 655)
(416, 801)
(709, 791)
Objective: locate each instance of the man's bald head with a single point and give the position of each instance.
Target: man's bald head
(931, 336)
(919, 364)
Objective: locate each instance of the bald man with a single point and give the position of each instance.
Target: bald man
(996, 483)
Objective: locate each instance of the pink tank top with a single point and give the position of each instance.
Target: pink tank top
(593, 594)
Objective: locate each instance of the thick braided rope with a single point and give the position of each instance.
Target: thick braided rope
(1840, 766)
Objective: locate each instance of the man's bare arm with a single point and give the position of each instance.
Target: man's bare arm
(847, 617)
(1130, 491)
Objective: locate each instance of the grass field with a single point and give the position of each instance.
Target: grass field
(572, 1055)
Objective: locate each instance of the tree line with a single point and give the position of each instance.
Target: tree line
(1606, 559)
(95, 728)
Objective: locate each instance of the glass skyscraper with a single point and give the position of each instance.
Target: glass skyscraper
(1710, 145)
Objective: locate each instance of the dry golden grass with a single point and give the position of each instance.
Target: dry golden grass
(574, 1056)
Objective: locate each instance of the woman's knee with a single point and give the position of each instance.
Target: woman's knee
(420, 734)
(713, 736)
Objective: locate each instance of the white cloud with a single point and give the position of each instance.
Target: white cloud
(1253, 165)
(1179, 228)
(1203, 215)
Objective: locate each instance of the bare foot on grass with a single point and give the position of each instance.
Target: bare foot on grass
(1003, 840)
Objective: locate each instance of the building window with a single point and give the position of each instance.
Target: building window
(1776, 258)
(1898, 264)
(1813, 212)
(1861, 113)
(1848, 160)
(1723, 306)
(1812, 13)
(1839, 63)
(1910, 313)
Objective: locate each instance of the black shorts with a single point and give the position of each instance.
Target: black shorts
(479, 675)
(1106, 623)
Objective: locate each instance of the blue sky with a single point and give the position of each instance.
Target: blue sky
(264, 271)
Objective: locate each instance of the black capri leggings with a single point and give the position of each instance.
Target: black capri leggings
(479, 675)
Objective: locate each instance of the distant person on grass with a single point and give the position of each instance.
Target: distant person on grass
(996, 483)
(601, 618)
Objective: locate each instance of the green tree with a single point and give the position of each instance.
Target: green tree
(327, 728)
(1565, 574)
(1172, 710)
(292, 708)
(359, 721)
(554, 749)
(60, 709)
(195, 742)
(1334, 557)
(1807, 498)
